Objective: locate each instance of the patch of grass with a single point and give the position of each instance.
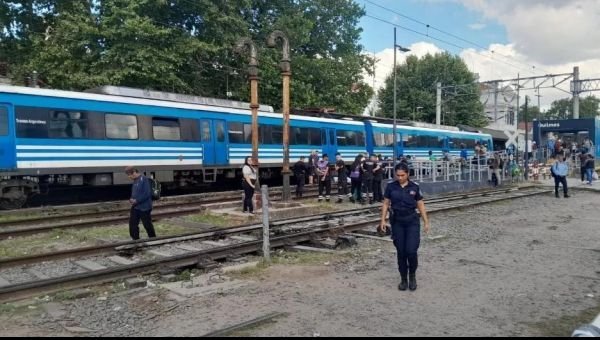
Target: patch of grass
(65, 239)
(9, 309)
(211, 219)
(65, 295)
(565, 326)
(185, 275)
(18, 217)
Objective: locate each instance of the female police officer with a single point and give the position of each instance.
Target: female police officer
(404, 197)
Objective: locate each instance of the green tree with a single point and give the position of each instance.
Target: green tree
(186, 46)
(533, 112)
(416, 87)
(563, 108)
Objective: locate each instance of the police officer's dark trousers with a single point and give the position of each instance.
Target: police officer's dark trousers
(377, 194)
(300, 185)
(367, 189)
(356, 186)
(134, 223)
(406, 233)
(558, 180)
(342, 187)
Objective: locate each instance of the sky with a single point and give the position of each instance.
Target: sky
(498, 39)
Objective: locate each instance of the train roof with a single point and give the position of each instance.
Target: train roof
(20, 90)
(417, 128)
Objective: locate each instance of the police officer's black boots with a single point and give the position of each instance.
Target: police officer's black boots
(412, 282)
(403, 284)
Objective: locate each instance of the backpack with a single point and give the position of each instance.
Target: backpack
(552, 171)
(155, 188)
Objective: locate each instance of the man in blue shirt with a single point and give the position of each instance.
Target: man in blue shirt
(560, 170)
(141, 204)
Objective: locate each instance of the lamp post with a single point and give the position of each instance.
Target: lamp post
(241, 45)
(286, 72)
(402, 49)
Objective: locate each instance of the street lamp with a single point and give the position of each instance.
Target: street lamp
(402, 49)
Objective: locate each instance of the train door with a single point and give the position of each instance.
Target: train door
(328, 142)
(7, 141)
(214, 142)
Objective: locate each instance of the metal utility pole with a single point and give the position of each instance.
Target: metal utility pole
(286, 72)
(576, 91)
(242, 44)
(526, 138)
(395, 138)
(516, 118)
(403, 49)
(438, 105)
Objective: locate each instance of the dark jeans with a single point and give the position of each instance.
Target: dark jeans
(134, 221)
(300, 185)
(356, 188)
(248, 194)
(406, 233)
(367, 189)
(560, 180)
(583, 172)
(324, 185)
(377, 195)
(342, 186)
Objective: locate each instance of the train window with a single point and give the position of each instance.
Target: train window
(121, 126)
(220, 128)
(205, 130)
(332, 137)
(360, 139)
(378, 138)
(3, 121)
(247, 133)
(236, 133)
(410, 141)
(166, 129)
(323, 137)
(389, 139)
(341, 138)
(300, 136)
(315, 136)
(31, 122)
(67, 124)
(276, 135)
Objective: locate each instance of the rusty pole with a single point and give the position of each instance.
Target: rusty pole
(286, 72)
(241, 46)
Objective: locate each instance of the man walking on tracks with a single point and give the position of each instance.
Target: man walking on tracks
(560, 170)
(141, 204)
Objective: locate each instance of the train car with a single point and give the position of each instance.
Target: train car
(417, 141)
(51, 138)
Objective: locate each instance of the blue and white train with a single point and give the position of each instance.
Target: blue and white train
(50, 138)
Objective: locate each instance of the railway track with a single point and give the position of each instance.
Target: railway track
(53, 272)
(32, 226)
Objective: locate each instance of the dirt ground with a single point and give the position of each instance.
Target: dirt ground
(528, 267)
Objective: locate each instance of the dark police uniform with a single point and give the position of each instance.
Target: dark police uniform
(342, 180)
(406, 229)
(367, 180)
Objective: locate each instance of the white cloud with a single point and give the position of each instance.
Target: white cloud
(493, 64)
(547, 31)
(477, 26)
